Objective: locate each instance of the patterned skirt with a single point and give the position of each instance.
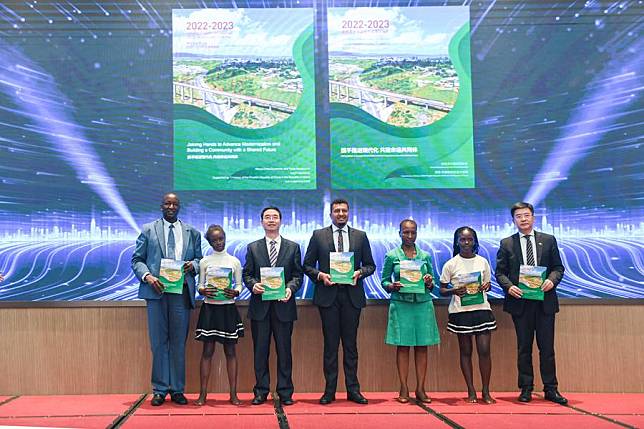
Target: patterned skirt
(219, 323)
(471, 322)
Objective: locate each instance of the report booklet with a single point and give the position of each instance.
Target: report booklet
(472, 284)
(274, 284)
(341, 264)
(530, 280)
(218, 278)
(411, 276)
(171, 275)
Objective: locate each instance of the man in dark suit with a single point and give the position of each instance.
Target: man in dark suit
(272, 317)
(168, 313)
(529, 247)
(339, 304)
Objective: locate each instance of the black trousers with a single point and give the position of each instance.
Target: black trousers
(340, 322)
(534, 320)
(262, 330)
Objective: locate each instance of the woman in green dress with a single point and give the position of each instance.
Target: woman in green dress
(411, 322)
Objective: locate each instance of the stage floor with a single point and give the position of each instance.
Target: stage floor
(448, 410)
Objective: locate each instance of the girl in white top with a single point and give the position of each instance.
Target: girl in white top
(474, 320)
(219, 320)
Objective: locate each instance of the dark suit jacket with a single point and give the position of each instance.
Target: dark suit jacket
(150, 248)
(289, 257)
(508, 260)
(316, 259)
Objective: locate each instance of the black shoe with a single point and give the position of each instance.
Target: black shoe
(526, 395)
(179, 399)
(555, 396)
(357, 398)
(157, 399)
(327, 398)
(259, 399)
(287, 401)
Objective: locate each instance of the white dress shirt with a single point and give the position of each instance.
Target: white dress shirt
(178, 239)
(278, 242)
(345, 237)
(523, 241)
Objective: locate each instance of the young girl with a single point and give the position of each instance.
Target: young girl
(219, 321)
(467, 321)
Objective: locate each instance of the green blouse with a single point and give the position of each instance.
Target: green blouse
(392, 267)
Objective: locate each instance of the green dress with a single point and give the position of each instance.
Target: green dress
(412, 321)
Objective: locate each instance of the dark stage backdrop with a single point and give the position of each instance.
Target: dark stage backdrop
(444, 111)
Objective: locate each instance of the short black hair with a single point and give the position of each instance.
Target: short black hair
(211, 229)
(521, 205)
(338, 201)
(456, 248)
(261, 216)
(169, 193)
(405, 221)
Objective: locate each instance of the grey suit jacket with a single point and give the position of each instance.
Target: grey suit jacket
(150, 249)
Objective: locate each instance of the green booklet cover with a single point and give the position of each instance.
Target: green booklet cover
(218, 278)
(341, 264)
(171, 275)
(472, 284)
(530, 280)
(274, 284)
(411, 276)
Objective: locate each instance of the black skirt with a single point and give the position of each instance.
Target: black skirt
(219, 323)
(471, 322)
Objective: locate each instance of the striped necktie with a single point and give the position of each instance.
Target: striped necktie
(529, 252)
(272, 254)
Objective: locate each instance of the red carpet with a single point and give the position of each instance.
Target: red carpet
(216, 403)
(68, 405)
(608, 403)
(365, 421)
(506, 403)
(383, 412)
(381, 402)
(204, 421)
(529, 421)
(85, 422)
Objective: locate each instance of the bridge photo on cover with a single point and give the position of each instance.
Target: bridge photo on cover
(394, 63)
(236, 66)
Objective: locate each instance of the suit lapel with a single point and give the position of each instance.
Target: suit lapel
(537, 239)
(330, 242)
(516, 247)
(352, 239)
(262, 248)
(158, 230)
(186, 239)
(281, 253)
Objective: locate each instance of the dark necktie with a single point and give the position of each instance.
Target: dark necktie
(340, 241)
(272, 254)
(529, 252)
(171, 243)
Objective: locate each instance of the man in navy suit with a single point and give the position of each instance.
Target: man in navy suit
(272, 318)
(529, 247)
(168, 313)
(339, 304)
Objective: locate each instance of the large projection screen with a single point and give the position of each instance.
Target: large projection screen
(443, 111)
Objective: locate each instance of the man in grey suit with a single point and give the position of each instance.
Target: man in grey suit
(168, 313)
(530, 247)
(339, 304)
(272, 318)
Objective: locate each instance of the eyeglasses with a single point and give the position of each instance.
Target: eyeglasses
(523, 216)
